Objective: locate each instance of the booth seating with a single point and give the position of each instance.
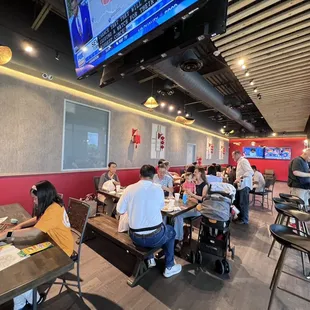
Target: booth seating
(106, 227)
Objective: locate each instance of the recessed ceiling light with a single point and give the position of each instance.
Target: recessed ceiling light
(162, 104)
(241, 62)
(187, 115)
(255, 90)
(252, 82)
(274, 134)
(247, 73)
(179, 111)
(243, 67)
(224, 126)
(171, 108)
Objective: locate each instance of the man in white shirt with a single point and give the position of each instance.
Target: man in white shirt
(143, 202)
(258, 180)
(244, 174)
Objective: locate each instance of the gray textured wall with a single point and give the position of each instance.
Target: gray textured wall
(31, 118)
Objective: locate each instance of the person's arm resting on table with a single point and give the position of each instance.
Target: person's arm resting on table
(29, 223)
(24, 236)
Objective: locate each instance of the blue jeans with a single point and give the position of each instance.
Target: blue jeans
(164, 238)
(178, 223)
(244, 195)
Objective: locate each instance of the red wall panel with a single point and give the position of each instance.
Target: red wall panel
(279, 166)
(75, 184)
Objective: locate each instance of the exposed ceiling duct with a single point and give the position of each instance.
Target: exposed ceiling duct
(197, 86)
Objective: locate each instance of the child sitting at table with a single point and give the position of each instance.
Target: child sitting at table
(189, 184)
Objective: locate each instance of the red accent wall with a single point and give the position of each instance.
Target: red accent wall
(279, 166)
(76, 184)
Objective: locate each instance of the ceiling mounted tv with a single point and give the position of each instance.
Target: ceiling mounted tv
(102, 30)
(253, 152)
(282, 153)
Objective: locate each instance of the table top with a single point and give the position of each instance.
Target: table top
(190, 205)
(14, 211)
(113, 194)
(36, 270)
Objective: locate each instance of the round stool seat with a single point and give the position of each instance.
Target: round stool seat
(278, 200)
(287, 237)
(300, 215)
(291, 198)
(284, 207)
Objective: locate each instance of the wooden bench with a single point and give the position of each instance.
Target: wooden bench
(106, 227)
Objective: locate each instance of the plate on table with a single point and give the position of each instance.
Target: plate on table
(165, 209)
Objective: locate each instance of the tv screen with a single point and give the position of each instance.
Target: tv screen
(101, 29)
(283, 153)
(253, 152)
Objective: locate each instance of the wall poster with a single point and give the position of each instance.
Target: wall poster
(222, 150)
(209, 148)
(158, 141)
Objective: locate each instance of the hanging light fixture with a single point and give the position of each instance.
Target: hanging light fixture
(151, 102)
(185, 120)
(5, 55)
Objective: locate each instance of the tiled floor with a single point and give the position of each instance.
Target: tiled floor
(197, 287)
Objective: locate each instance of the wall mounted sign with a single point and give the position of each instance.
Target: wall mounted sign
(158, 141)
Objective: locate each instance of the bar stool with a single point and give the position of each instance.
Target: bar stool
(293, 199)
(287, 237)
(288, 210)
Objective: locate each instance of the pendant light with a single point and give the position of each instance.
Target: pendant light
(151, 102)
(5, 55)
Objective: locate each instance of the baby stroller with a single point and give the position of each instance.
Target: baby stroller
(214, 230)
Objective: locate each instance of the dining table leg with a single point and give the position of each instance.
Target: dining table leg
(34, 298)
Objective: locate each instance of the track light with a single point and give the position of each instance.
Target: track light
(57, 56)
(247, 73)
(171, 108)
(243, 67)
(259, 96)
(252, 82)
(187, 115)
(255, 90)
(179, 111)
(162, 104)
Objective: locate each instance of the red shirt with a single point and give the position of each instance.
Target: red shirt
(189, 186)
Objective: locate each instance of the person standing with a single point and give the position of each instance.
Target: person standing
(244, 174)
(299, 177)
(143, 202)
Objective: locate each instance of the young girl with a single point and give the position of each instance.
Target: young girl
(189, 184)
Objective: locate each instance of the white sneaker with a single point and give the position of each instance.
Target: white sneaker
(151, 263)
(169, 272)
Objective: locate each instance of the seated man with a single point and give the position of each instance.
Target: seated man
(258, 180)
(164, 180)
(108, 176)
(143, 202)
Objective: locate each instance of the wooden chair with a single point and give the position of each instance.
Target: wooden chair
(78, 213)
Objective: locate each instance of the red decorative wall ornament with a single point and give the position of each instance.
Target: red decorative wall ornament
(199, 161)
(161, 138)
(135, 137)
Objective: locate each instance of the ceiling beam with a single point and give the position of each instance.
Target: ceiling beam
(41, 16)
(148, 78)
(264, 31)
(253, 20)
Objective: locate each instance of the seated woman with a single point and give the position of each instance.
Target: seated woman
(201, 192)
(51, 219)
(110, 175)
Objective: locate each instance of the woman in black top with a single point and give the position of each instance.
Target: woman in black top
(201, 192)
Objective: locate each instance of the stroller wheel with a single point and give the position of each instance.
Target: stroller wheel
(199, 257)
(192, 257)
(226, 266)
(219, 267)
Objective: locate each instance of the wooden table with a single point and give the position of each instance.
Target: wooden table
(190, 205)
(34, 271)
(113, 194)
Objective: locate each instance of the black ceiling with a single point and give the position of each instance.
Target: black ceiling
(17, 17)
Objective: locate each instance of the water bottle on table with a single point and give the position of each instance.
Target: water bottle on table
(184, 198)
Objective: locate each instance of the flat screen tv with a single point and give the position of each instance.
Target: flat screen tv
(253, 152)
(282, 153)
(102, 30)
